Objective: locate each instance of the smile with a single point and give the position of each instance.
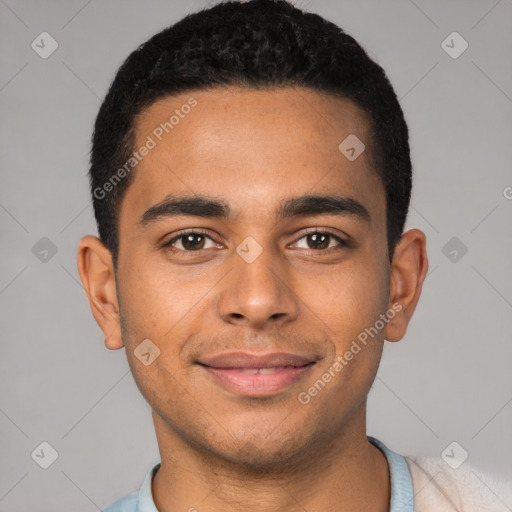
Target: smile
(252, 375)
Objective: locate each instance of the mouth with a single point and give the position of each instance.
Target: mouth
(252, 375)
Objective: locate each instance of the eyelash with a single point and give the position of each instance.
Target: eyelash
(168, 245)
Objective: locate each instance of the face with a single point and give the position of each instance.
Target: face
(246, 282)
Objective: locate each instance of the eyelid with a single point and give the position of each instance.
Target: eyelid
(318, 229)
(189, 231)
(344, 242)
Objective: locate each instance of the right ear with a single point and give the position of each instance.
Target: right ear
(96, 270)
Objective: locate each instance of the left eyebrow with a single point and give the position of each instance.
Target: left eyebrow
(323, 205)
(208, 207)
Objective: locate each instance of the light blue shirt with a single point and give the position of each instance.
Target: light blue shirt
(402, 498)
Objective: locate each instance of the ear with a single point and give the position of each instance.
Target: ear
(408, 270)
(96, 270)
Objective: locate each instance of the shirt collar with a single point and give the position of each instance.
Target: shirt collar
(146, 502)
(402, 497)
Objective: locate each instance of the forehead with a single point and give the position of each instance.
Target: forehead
(299, 116)
(251, 147)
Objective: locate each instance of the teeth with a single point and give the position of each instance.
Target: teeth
(261, 370)
(267, 370)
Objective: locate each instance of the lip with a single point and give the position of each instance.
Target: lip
(233, 371)
(248, 360)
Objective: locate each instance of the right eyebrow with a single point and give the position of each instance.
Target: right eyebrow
(199, 206)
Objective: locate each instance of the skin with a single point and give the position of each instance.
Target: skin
(221, 451)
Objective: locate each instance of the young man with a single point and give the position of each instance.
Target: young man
(251, 178)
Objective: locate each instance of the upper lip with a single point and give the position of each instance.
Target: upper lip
(248, 360)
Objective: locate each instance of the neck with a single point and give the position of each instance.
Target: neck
(346, 474)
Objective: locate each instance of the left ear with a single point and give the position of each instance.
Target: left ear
(408, 270)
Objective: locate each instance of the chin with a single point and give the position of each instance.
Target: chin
(253, 457)
(267, 449)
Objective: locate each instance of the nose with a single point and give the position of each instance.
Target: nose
(258, 293)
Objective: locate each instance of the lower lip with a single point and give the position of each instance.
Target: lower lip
(257, 384)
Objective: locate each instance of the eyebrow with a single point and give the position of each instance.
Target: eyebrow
(210, 207)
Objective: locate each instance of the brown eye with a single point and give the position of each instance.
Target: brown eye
(190, 242)
(318, 241)
(322, 240)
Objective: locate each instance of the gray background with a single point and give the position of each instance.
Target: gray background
(448, 380)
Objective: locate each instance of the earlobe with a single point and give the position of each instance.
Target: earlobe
(97, 275)
(408, 270)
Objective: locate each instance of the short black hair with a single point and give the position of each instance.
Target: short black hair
(257, 44)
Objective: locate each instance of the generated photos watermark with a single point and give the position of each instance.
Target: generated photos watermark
(341, 361)
(158, 133)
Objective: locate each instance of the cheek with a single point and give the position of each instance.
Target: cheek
(357, 333)
(350, 299)
(153, 299)
(165, 307)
